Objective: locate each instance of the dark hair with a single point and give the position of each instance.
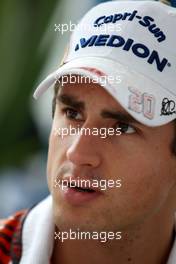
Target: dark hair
(56, 88)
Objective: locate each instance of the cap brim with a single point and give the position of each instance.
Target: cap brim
(147, 101)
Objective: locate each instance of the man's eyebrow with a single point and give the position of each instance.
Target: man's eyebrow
(70, 100)
(120, 116)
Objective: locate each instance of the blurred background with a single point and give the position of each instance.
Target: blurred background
(31, 47)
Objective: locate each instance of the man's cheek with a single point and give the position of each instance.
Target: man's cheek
(49, 169)
(56, 156)
(51, 158)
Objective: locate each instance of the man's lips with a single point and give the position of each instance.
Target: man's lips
(77, 197)
(79, 194)
(80, 184)
(81, 189)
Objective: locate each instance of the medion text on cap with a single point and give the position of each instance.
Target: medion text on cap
(116, 41)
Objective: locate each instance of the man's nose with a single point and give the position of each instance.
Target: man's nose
(84, 150)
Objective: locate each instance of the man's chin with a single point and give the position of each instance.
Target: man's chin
(66, 219)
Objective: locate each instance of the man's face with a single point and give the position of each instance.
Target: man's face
(140, 157)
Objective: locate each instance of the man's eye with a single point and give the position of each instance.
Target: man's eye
(126, 128)
(71, 113)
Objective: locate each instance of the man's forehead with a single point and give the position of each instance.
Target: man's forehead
(74, 98)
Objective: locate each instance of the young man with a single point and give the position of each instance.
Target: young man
(118, 75)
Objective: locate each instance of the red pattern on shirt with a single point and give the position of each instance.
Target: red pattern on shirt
(10, 237)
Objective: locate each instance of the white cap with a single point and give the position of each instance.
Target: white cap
(132, 45)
